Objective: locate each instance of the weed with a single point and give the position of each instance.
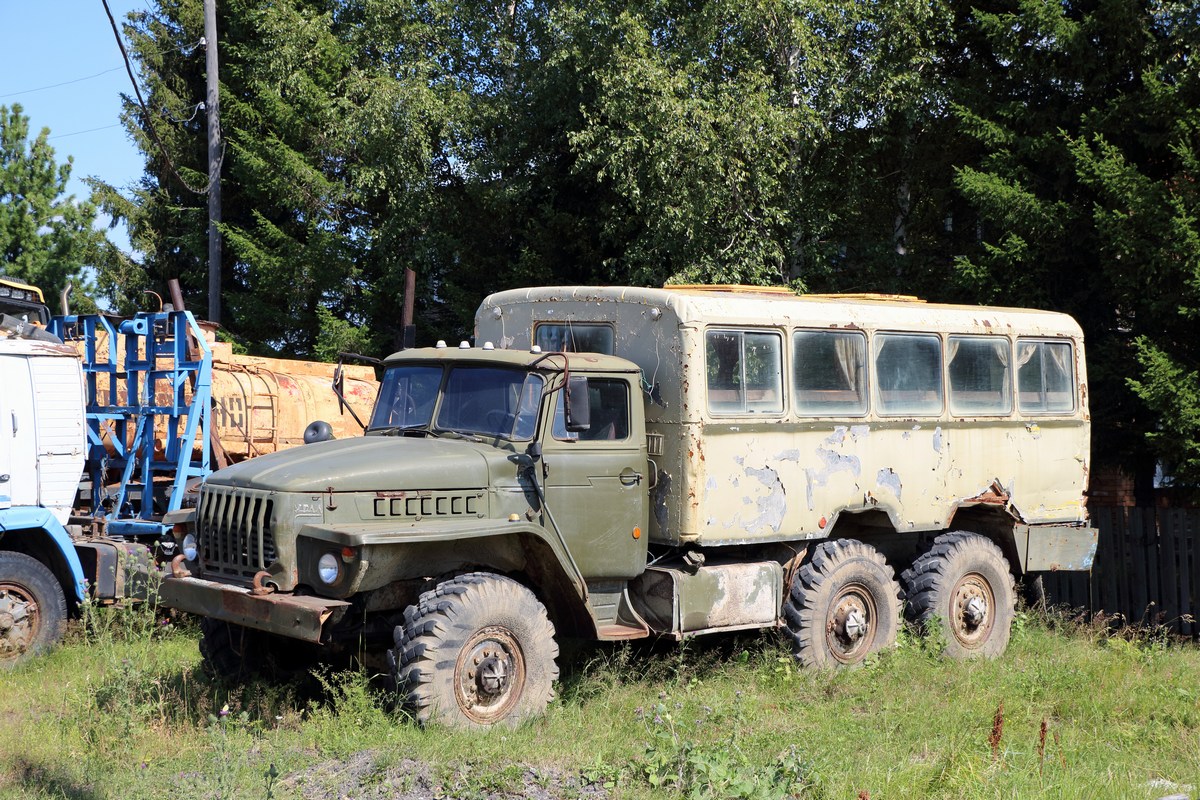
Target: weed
(674, 761)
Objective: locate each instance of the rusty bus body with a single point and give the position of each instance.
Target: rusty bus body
(775, 465)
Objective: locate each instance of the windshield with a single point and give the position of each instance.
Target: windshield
(406, 397)
(492, 401)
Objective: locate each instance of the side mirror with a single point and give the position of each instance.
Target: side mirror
(578, 405)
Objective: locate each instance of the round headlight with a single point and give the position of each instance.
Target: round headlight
(328, 568)
(190, 549)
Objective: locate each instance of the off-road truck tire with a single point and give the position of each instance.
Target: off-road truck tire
(843, 605)
(963, 585)
(477, 650)
(236, 654)
(33, 609)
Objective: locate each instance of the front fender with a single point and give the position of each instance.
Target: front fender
(396, 552)
(34, 520)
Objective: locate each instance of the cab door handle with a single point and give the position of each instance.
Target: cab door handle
(630, 478)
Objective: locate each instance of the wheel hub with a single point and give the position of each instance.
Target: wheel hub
(855, 626)
(18, 621)
(851, 624)
(490, 675)
(971, 619)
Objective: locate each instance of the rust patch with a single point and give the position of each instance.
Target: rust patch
(993, 495)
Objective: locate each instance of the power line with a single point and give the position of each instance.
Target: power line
(187, 46)
(89, 130)
(56, 85)
(148, 116)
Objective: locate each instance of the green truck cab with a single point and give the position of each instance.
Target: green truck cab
(497, 490)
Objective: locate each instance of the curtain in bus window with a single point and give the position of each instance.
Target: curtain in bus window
(979, 379)
(1045, 377)
(829, 373)
(908, 374)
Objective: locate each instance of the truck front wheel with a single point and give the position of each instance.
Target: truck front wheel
(843, 605)
(476, 651)
(33, 610)
(963, 584)
(236, 654)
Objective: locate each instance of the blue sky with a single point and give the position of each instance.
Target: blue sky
(44, 43)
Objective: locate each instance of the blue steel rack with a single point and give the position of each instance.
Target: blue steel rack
(150, 375)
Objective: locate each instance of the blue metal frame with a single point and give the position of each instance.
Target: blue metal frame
(165, 384)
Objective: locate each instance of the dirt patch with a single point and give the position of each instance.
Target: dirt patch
(370, 775)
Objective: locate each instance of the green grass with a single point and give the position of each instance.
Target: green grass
(125, 712)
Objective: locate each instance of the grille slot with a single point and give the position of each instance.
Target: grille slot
(236, 530)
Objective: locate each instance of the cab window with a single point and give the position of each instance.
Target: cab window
(608, 402)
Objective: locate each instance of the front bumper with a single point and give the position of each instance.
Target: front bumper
(295, 616)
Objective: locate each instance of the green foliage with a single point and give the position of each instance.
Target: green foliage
(674, 762)
(1085, 193)
(1022, 152)
(46, 239)
(1174, 392)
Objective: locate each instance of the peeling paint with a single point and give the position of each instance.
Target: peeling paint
(859, 432)
(789, 455)
(838, 436)
(831, 463)
(937, 439)
(888, 479)
(773, 506)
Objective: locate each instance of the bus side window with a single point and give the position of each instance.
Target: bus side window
(829, 373)
(1045, 377)
(979, 375)
(908, 374)
(744, 372)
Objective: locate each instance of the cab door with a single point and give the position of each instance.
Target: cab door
(18, 454)
(595, 480)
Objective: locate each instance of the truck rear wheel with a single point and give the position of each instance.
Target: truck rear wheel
(964, 585)
(476, 651)
(843, 605)
(33, 610)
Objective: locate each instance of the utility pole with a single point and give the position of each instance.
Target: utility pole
(213, 104)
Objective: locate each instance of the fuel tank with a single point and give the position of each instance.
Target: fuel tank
(262, 405)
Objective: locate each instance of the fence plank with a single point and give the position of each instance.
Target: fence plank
(1139, 597)
(1172, 523)
(1188, 574)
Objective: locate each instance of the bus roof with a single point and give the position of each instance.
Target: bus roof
(779, 305)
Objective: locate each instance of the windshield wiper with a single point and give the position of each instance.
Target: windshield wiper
(470, 437)
(400, 430)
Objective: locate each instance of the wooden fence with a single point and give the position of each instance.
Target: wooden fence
(1147, 569)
